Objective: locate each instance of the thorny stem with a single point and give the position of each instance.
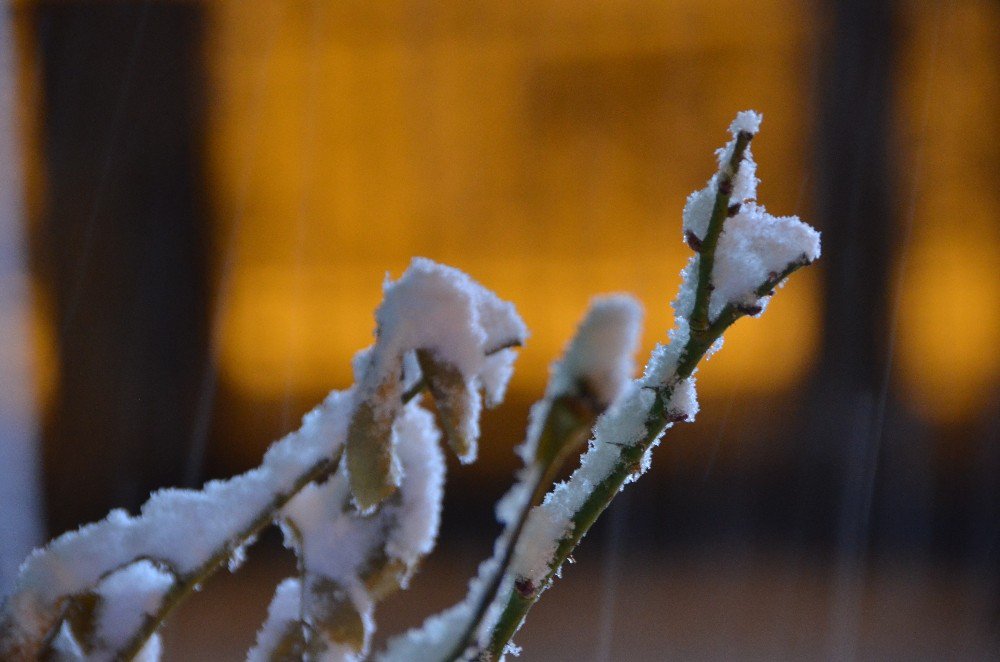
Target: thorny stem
(704, 333)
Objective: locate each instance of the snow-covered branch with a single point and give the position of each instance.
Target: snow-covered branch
(181, 537)
(743, 253)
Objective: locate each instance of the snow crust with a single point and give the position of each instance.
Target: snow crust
(746, 120)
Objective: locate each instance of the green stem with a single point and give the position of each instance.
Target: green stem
(720, 210)
(566, 424)
(522, 598)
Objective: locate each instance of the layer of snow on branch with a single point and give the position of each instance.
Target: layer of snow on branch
(624, 424)
(698, 209)
(441, 309)
(180, 529)
(753, 248)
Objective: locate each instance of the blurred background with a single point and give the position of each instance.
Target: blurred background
(200, 201)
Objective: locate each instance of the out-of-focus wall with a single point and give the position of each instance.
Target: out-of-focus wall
(547, 148)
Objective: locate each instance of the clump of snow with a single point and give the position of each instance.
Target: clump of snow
(128, 596)
(282, 614)
(466, 328)
(334, 542)
(337, 542)
(497, 371)
(753, 248)
(683, 405)
(698, 211)
(597, 365)
(745, 180)
(180, 529)
(419, 513)
(438, 308)
(601, 352)
(746, 120)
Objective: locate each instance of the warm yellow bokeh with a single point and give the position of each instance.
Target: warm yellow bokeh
(546, 149)
(949, 296)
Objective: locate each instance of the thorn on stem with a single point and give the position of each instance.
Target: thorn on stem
(524, 587)
(750, 309)
(733, 209)
(693, 241)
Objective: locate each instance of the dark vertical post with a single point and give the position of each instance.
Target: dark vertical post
(123, 241)
(856, 206)
(857, 214)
